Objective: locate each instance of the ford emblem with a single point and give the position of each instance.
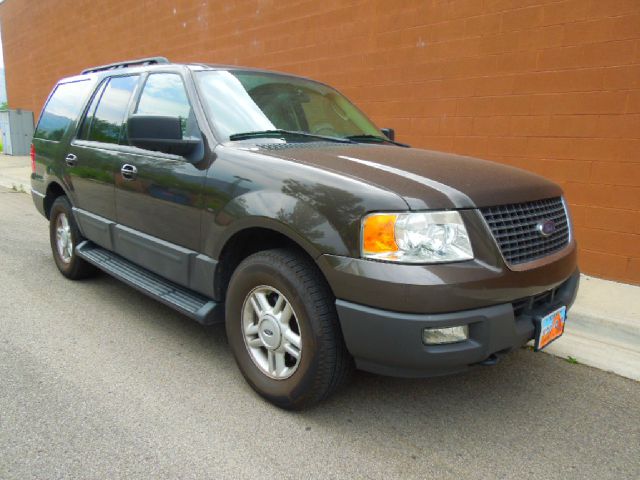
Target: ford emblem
(268, 332)
(546, 227)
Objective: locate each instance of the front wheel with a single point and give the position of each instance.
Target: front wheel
(65, 237)
(283, 329)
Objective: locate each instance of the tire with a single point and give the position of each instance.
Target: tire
(323, 363)
(61, 218)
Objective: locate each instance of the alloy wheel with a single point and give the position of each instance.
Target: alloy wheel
(64, 242)
(271, 332)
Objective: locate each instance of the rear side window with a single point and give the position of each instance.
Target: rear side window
(62, 109)
(109, 116)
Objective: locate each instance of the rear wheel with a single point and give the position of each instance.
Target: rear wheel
(65, 237)
(283, 329)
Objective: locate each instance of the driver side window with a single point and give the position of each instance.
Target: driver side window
(164, 94)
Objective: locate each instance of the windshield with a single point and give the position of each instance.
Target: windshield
(241, 102)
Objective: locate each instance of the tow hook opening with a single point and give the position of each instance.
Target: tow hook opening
(494, 358)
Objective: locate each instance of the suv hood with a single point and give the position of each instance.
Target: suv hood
(424, 179)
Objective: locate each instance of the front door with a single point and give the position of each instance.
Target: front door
(159, 195)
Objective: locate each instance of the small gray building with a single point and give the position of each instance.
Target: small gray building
(16, 128)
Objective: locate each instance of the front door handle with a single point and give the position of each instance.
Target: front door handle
(129, 172)
(71, 160)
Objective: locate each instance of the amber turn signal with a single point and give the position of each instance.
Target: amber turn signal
(379, 233)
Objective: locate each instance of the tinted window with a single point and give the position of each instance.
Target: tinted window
(164, 94)
(112, 109)
(61, 110)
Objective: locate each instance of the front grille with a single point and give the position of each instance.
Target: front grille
(515, 228)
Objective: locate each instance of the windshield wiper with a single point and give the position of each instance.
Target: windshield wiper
(276, 133)
(373, 139)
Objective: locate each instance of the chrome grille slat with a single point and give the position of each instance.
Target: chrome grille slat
(499, 225)
(522, 241)
(520, 237)
(514, 227)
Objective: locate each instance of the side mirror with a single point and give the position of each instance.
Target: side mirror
(390, 133)
(160, 134)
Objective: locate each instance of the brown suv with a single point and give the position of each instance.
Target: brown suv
(270, 202)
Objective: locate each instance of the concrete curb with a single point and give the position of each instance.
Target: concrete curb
(598, 326)
(602, 330)
(15, 172)
(597, 353)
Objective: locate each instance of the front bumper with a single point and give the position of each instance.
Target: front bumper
(390, 343)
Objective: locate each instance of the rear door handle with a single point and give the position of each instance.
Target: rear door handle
(71, 160)
(129, 172)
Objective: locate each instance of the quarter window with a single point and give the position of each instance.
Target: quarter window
(62, 108)
(111, 111)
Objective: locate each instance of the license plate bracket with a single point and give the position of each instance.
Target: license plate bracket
(549, 327)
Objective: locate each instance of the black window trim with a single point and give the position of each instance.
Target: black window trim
(124, 148)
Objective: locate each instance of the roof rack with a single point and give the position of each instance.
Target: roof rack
(127, 63)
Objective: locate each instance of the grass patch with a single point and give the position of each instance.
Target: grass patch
(572, 360)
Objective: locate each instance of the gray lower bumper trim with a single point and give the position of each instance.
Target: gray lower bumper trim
(390, 343)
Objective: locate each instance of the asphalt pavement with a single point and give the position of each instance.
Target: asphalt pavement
(98, 381)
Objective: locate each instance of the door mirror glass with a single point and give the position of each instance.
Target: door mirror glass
(160, 134)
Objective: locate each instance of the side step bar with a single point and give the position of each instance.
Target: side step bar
(198, 307)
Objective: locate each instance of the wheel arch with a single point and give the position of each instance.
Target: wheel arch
(54, 190)
(252, 238)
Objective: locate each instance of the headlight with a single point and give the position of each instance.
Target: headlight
(420, 237)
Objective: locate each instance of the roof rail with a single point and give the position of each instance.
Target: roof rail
(127, 63)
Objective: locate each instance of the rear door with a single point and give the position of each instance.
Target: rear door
(57, 123)
(95, 153)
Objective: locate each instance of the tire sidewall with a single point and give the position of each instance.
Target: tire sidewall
(292, 389)
(62, 205)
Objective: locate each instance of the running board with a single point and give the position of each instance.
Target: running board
(198, 307)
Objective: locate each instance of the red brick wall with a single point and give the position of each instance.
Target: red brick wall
(550, 86)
